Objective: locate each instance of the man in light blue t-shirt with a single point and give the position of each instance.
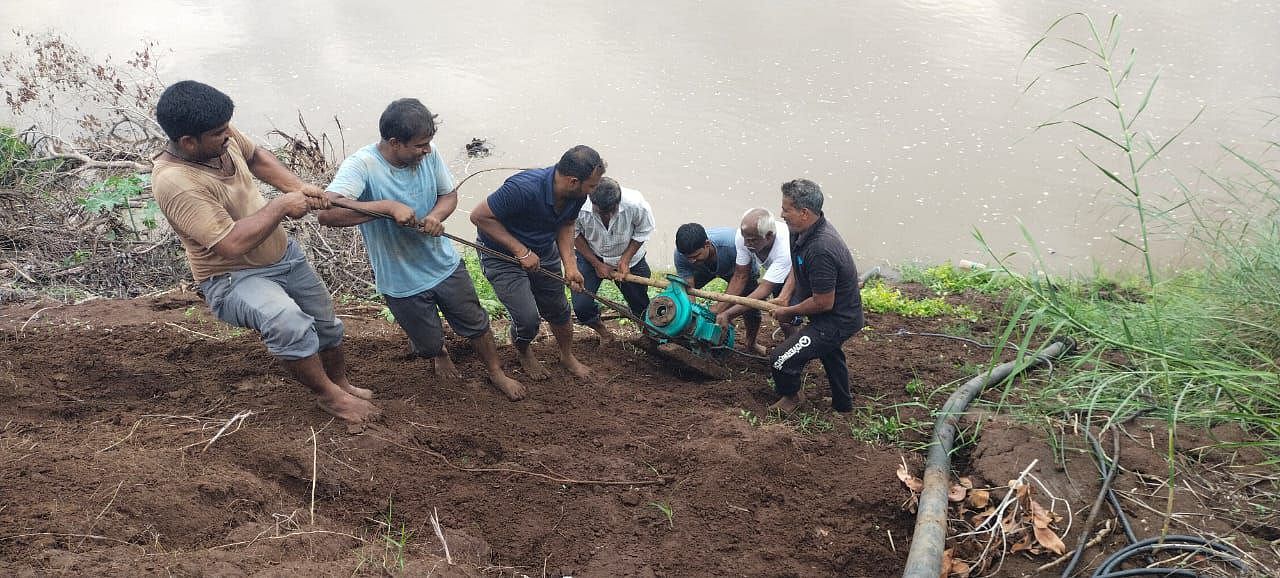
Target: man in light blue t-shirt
(417, 271)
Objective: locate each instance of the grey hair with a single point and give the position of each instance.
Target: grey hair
(804, 194)
(762, 219)
(607, 194)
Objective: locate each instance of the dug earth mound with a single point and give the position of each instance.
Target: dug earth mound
(143, 436)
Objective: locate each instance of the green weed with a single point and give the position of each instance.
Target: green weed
(115, 192)
(394, 540)
(666, 511)
(915, 386)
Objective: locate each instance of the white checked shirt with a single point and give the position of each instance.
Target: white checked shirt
(634, 222)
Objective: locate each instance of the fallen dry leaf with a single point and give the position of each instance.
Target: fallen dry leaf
(981, 517)
(979, 499)
(966, 482)
(1023, 544)
(956, 493)
(913, 483)
(1041, 518)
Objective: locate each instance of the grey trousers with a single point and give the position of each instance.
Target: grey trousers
(286, 302)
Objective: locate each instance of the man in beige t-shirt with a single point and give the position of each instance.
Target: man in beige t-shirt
(248, 270)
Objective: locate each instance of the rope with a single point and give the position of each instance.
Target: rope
(620, 308)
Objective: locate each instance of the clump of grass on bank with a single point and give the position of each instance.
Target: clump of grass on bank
(947, 279)
(880, 298)
(1199, 348)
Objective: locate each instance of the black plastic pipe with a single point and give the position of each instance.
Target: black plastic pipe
(930, 536)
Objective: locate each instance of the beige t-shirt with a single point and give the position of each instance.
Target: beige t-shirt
(203, 206)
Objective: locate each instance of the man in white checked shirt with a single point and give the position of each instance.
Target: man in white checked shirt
(611, 231)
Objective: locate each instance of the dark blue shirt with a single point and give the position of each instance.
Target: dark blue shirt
(526, 205)
(722, 238)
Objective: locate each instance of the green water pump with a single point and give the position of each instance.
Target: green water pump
(675, 315)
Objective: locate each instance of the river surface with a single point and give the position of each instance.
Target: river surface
(910, 114)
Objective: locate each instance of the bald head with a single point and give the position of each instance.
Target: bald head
(758, 230)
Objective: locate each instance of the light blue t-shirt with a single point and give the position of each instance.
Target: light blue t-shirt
(405, 261)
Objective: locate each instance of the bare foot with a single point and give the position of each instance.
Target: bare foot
(576, 367)
(445, 369)
(788, 403)
(756, 348)
(530, 364)
(349, 408)
(514, 390)
(602, 330)
(359, 392)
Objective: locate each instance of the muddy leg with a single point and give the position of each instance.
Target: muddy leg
(564, 340)
(488, 352)
(335, 367)
(331, 398)
(444, 367)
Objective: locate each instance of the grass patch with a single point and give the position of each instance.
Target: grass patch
(878, 297)
(947, 279)
(868, 424)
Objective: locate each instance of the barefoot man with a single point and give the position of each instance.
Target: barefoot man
(531, 219)
(824, 287)
(247, 268)
(417, 271)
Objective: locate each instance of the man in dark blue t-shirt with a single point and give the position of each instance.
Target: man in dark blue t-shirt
(823, 287)
(531, 219)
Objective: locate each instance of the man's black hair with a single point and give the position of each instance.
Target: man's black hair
(607, 194)
(690, 237)
(580, 162)
(190, 108)
(404, 119)
(804, 194)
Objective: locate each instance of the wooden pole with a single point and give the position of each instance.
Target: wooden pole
(735, 299)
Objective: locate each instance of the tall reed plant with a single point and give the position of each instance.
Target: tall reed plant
(1200, 347)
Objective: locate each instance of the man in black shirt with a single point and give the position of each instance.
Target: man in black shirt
(823, 286)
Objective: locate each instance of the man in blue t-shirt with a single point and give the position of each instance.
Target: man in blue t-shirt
(530, 219)
(417, 271)
(705, 254)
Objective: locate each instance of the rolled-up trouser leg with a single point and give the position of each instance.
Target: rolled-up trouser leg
(312, 296)
(528, 297)
(419, 317)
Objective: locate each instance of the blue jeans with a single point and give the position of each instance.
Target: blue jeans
(636, 295)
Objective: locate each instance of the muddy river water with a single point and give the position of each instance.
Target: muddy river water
(911, 114)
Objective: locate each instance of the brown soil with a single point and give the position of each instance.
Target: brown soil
(106, 465)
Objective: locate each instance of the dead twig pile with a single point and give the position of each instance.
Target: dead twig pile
(77, 217)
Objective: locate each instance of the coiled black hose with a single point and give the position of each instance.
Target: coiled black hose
(1108, 568)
